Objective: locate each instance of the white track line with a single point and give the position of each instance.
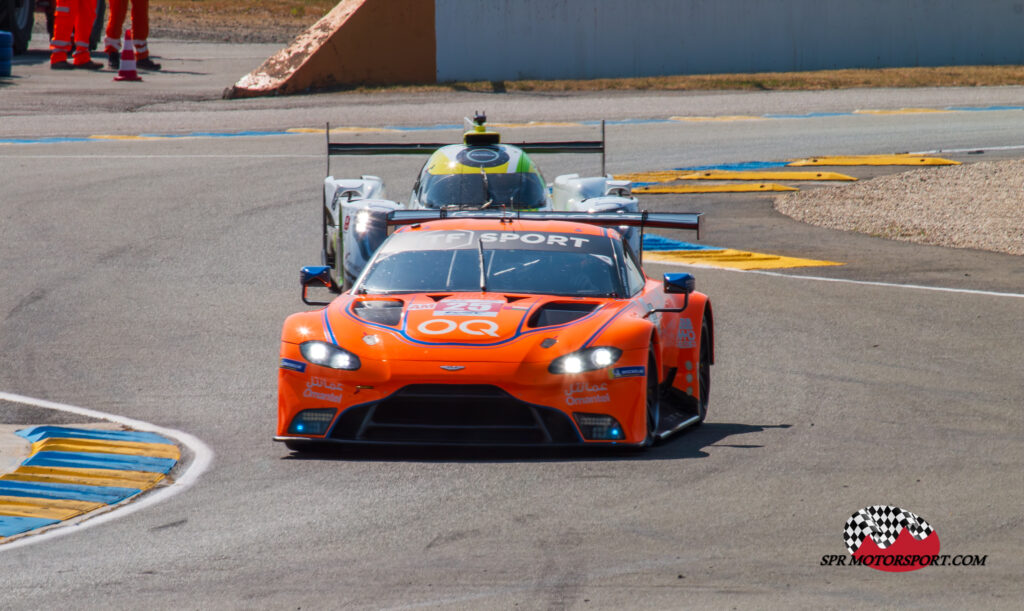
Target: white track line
(203, 456)
(970, 150)
(919, 287)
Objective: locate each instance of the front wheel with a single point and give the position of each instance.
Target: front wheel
(16, 17)
(704, 371)
(653, 401)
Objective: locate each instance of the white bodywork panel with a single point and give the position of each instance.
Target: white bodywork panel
(356, 213)
(571, 193)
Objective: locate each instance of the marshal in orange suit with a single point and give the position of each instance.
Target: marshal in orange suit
(72, 24)
(140, 33)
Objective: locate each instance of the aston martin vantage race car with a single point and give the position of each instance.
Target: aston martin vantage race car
(486, 327)
(480, 173)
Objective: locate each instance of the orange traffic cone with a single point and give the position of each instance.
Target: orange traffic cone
(127, 70)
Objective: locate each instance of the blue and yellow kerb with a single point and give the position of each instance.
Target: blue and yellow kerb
(73, 471)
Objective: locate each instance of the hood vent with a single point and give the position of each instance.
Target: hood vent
(380, 311)
(559, 313)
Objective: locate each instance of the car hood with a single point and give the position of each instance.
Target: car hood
(469, 326)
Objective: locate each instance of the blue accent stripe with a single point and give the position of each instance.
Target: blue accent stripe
(74, 492)
(37, 433)
(13, 525)
(96, 460)
(626, 308)
(327, 327)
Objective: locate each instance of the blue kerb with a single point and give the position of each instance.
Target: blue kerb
(38, 433)
(809, 115)
(50, 140)
(984, 108)
(655, 243)
(744, 165)
(13, 525)
(75, 492)
(96, 460)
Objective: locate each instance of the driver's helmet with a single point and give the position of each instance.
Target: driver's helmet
(473, 176)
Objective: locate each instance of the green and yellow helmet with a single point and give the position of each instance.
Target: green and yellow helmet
(481, 172)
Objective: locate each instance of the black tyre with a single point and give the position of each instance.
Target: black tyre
(328, 255)
(17, 18)
(653, 401)
(704, 371)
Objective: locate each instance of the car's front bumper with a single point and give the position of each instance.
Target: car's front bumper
(483, 404)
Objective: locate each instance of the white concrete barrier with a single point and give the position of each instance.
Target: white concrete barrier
(419, 41)
(571, 39)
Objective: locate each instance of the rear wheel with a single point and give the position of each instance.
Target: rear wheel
(653, 401)
(704, 371)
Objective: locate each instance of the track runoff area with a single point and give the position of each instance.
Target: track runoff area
(73, 473)
(747, 177)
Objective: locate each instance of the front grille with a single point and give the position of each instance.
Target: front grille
(455, 414)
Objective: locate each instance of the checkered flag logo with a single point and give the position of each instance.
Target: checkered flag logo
(883, 523)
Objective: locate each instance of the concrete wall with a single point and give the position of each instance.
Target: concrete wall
(551, 39)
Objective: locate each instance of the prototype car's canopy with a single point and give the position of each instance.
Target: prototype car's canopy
(474, 175)
(513, 261)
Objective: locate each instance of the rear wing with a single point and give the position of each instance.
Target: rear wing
(420, 148)
(693, 221)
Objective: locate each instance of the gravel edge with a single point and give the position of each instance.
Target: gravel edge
(977, 205)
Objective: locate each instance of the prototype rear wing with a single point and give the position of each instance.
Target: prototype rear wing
(693, 221)
(420, 148)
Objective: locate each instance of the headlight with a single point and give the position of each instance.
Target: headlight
(329, 355)
(588, 359)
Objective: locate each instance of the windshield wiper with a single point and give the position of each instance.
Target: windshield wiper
(483, 274)
(487, 190)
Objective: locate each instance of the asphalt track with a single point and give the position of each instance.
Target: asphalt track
(149, 279)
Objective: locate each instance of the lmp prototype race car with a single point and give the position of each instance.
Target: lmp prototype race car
(509, 328)
(480, 173)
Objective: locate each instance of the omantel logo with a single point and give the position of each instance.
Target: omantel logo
(890, 539)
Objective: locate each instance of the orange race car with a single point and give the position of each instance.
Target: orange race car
(494, 328)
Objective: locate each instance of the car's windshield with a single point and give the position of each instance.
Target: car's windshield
(514, 262)
(517, 190)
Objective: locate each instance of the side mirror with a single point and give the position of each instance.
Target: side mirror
(314, 276)
(683, 284)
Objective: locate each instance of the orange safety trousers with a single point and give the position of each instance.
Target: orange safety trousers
(72, 16)
(140, 26)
